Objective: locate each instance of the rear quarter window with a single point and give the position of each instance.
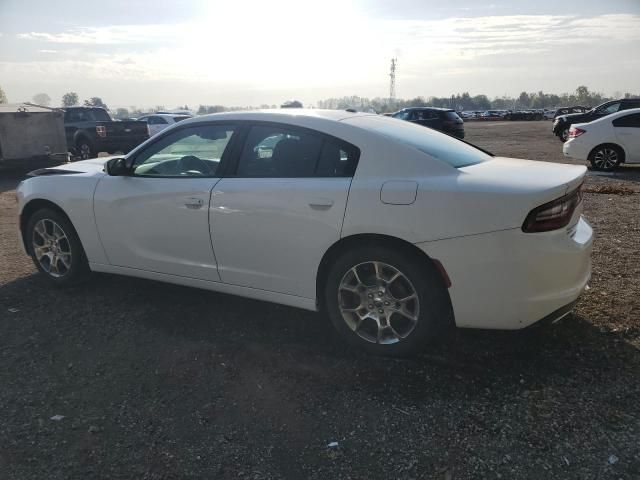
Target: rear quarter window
(438, 145)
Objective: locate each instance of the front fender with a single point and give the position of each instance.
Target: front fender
(73, 194)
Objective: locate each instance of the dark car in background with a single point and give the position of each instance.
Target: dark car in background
(90, 130)
(443, 119)
(562, 123)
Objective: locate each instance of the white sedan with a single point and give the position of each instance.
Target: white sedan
(394, 230)
(606, 142)
(159, 121)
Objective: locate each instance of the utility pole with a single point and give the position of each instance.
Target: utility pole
(392, 83)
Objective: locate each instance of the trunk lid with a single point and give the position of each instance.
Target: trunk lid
(547, 180)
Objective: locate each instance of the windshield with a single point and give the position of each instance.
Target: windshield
(435, 144)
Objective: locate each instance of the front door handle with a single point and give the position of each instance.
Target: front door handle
(321, 202)
(194, 203)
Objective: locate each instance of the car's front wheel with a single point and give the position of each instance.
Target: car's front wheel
(55, 248)
(84, 149)
(605, 158)
(387, 301)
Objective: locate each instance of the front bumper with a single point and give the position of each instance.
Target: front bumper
(510, 279)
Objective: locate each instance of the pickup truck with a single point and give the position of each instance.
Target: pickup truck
(90, 130)
(562, 123)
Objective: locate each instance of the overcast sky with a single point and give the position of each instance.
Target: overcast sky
(236, 52)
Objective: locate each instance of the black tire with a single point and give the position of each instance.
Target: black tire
(54, 223)
(606, 158)
(563, 135)
(84, 149)
(434, 314)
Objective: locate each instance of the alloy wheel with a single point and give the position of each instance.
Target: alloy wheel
(85, 151)
(565, 135)
(605, 158)
(378, 302)
(51, 248)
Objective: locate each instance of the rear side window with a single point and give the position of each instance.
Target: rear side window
(451, 116)
(177, 119)
(632, 120)
(435, 144)
(282, 152)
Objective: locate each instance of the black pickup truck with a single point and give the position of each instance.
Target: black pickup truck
(562, 123)
(91, 130)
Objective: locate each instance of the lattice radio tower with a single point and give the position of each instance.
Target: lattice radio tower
(392, 83)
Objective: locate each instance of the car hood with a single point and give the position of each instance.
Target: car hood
(93, 165)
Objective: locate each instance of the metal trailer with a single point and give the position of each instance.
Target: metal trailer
(31, 134)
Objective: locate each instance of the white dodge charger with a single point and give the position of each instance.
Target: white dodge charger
(394, 230)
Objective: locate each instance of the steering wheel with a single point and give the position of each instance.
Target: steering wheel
(192, 165)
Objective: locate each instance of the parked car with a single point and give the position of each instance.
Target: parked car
(394, 230)
(549, 113)
(444, 119)
(159, 121)
(606, 142)
(562, 123)
(90, 130)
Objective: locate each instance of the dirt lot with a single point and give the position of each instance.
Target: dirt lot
(159, 382)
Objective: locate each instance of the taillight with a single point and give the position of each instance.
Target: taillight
(553, 215)
(101, 130)
(575, 132)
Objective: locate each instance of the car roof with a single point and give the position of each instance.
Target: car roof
(438, 109)
(278, 115)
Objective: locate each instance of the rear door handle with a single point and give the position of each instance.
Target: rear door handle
(320, 202)
(194, 203)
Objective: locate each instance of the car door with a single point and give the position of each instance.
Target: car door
(627, 131)
(157, 217)
(283, 206)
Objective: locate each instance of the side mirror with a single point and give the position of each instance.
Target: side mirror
(116, 167)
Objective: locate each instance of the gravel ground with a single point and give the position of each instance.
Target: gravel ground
(160, 382)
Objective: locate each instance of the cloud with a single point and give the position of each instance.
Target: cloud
(220, 50)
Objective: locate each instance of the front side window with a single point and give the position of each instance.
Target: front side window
(189, 152)
(281, 152)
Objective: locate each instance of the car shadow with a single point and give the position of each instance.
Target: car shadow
(627, 173)
(252, 332)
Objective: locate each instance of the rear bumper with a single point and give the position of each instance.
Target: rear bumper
(573, 148)
(510, 279)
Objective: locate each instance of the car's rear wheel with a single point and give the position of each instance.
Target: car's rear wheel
(564, 135)
(55, 248)
(605, 158)
(386, 301)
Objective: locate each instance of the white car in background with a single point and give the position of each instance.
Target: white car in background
(606, 142)
(159, 121)
(394, 230)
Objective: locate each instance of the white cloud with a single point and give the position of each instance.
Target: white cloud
(269, 52)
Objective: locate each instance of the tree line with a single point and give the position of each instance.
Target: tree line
(459, 101)
(464, 101)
